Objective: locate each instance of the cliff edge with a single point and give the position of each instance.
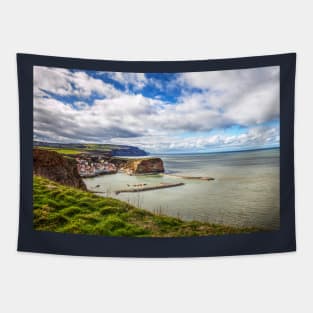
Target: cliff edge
(54, 166)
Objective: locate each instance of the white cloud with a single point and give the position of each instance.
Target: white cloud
(137, 80)
(256, 137)
(210, 100)
(245, 97)
(124, 116)
(66, 83)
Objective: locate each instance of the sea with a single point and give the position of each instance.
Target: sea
(244, 192)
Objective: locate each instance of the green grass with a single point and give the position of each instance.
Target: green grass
(101, 147)
(59, 208)
(84, 148)
(61, 150)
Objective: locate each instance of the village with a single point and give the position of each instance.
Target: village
(90, 166)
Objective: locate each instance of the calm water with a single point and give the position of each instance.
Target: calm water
(245, 191)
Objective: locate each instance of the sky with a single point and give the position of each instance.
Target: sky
(159, 112)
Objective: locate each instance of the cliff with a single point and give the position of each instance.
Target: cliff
(128, 151)
(56, 167)
(139, 166)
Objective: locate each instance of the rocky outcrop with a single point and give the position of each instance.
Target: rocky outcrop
(143, 166)
(139, 166)
(56, 167)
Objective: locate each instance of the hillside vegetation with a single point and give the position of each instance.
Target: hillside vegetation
(72, 149)
(64, 151)
(60, 208)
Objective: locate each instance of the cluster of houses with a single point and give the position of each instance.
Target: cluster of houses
(93, 166)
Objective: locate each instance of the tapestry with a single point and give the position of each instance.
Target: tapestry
(156, 159)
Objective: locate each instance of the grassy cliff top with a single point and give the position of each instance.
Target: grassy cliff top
(61, 150)
(59, 208)
(78, 148)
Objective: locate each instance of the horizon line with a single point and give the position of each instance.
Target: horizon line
(162, 153)
(225, 151)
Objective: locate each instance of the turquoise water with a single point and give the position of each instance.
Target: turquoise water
(245, 191)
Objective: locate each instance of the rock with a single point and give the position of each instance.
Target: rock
(146, 166)
(139, 166)
(56, 167)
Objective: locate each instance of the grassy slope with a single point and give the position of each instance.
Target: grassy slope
(88, 147)
(61, 150)
(101, 147)
(63, 209)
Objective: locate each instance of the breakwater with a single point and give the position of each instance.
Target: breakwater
(146, 188)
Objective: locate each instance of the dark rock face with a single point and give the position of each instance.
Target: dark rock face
(154, 165)
(54, 166)
(139, 166)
